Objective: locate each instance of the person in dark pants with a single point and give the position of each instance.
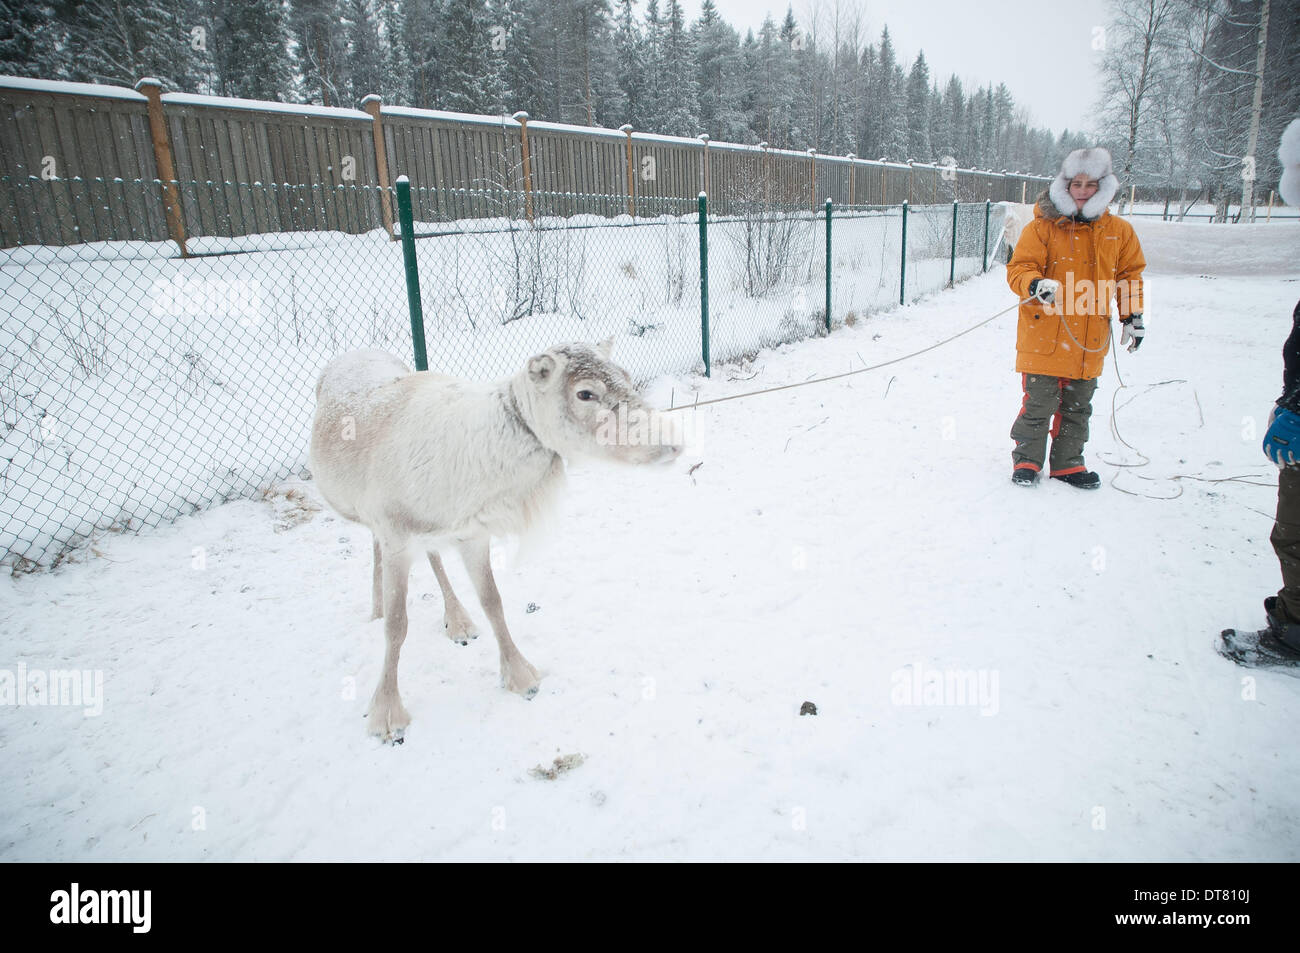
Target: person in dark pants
(1280, 641)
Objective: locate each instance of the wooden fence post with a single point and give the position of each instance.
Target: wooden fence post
(812, 161)
(162, 152)
(372, 105)
(911, 182)
(765, 174)
(521, 117)
(704, 166)
(626, 129)
(852, 175)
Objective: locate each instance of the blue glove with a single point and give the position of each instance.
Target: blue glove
(1282, 441)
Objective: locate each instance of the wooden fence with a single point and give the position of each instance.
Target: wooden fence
(82, 163)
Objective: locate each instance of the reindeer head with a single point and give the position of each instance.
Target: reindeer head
(578, 402)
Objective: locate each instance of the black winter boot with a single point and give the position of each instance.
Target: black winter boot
(1024, 476)
(1083, 479)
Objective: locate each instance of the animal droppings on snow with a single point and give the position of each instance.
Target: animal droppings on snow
(559, 766)
(292, 506)
(808, 708)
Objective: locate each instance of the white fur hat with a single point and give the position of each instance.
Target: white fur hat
(1095, 164)
(1288, 153)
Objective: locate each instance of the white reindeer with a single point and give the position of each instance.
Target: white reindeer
(422, 458)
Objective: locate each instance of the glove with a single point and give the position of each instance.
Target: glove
(1133, 331)
(1044, 289)
(1282, 440)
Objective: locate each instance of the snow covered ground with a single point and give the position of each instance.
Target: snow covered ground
(856, 544)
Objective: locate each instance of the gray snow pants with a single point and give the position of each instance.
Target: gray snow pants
(1059, 406)
(1286, 541)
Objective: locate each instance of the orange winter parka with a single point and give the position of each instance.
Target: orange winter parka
(1097, 262)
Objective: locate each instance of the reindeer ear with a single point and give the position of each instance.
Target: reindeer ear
(541, 370)
(606, 347)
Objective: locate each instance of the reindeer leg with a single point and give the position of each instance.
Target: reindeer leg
(388, 718)
(377, 585)
(455, 620)
(516, 674)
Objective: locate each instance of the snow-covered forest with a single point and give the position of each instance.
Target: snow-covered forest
(1181, 109)
(813, 82)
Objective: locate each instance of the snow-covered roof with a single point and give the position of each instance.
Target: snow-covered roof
(71, 89)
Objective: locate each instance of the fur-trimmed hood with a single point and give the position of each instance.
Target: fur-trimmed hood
(1094, 163)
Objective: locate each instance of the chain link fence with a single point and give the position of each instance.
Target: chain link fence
(139, 385)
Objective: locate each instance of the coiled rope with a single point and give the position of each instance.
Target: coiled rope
(1249, 479)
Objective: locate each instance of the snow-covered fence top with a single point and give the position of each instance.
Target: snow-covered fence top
(82, 162)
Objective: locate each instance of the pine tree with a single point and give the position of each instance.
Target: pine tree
(395, 80)
(26, 42)
(717, 65)
(252, 58)
(422, 26)
(654, 89)
(786, 132)
(122, 41)
(681, 118)
(890, 91)
(320, 51)
(599, 95)
(918, 111)
(868, 132)
(629, 59)
(954, 109)
(464, 45)
(365, 58)
(516, 29)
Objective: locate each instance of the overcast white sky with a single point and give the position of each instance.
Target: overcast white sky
(1042, 49)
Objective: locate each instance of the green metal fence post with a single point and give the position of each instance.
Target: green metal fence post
(412, 273)
(704, 280)
(988, 206)
(902, 276)
(952, 260)
(828, 266)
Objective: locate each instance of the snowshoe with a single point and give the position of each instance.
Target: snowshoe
(1083, 479)
(1277, 646)
(1258, 650)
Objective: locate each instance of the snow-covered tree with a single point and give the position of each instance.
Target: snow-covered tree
(251, 49)
(717, 72)
(918, 111)
(320, 50)
(365, 57)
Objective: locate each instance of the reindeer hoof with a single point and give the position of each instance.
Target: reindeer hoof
(523, 681)
(388, 720)
(461, 631)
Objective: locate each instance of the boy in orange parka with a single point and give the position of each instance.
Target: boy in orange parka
(1074, 259)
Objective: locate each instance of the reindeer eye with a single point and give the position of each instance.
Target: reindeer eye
(586, 395)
